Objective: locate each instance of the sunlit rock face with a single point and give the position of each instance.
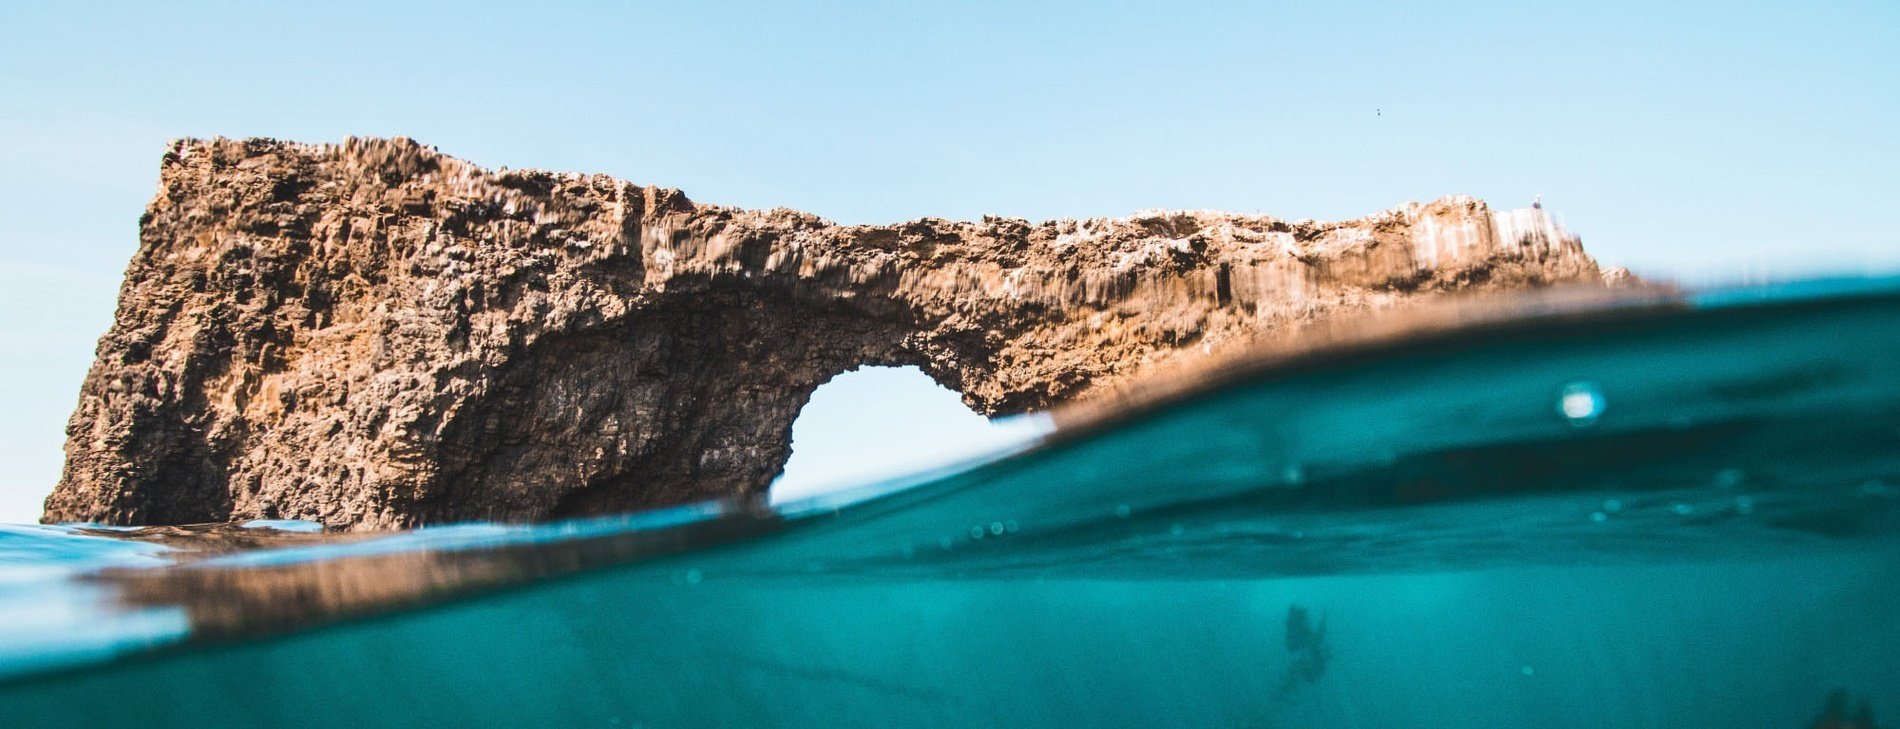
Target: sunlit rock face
(376, 335)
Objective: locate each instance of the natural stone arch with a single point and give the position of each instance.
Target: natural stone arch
(376, 335)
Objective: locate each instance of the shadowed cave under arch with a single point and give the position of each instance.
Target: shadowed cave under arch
(616, 398)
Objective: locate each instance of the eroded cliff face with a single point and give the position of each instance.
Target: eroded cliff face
(376, 335)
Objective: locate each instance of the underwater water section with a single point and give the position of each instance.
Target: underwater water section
(1653, 511)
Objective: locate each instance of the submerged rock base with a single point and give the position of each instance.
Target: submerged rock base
(376, 335)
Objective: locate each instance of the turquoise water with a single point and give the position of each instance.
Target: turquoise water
(1639, 514)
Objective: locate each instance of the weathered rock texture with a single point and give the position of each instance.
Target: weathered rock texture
(377, 335)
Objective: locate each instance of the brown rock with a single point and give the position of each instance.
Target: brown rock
(376, 335)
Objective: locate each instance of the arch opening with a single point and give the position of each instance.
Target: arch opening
(875, 423)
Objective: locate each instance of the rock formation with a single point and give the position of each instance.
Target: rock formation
(376, 335)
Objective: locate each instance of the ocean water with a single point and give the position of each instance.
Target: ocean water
(1648, 513)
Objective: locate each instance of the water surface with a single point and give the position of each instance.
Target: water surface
(1642, 513)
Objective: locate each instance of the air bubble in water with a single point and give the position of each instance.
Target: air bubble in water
(1122, 511)
(1599, 517)
(1294, 474)
(694, 576)
(1729, 478)
(1682, 508)
(1744, 505)
(996, 528)
(1581, 403)
(976, 532)
(1611, 506)
(1177, 530)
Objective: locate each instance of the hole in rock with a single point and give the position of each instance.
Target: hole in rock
(879, 422)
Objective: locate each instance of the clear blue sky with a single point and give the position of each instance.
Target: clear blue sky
(1698, 140)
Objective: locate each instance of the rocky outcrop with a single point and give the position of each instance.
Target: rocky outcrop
(376, 335)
